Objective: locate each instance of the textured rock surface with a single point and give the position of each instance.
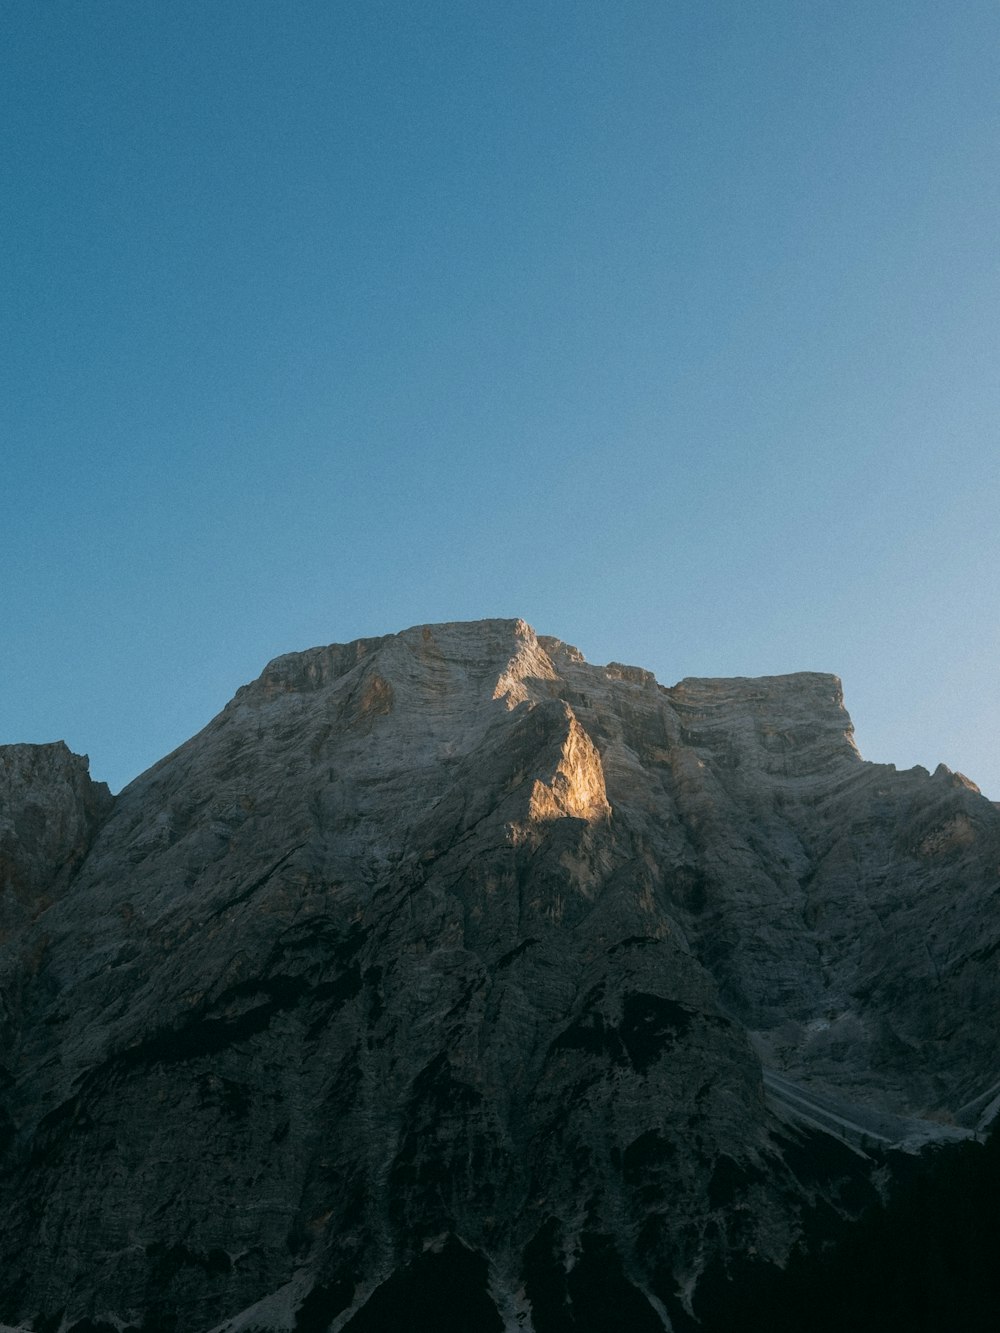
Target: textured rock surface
(49, 812)
(445, 967)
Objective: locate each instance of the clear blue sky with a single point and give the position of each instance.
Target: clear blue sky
(670, 326)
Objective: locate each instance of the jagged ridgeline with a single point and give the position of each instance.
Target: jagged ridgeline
(447, 982)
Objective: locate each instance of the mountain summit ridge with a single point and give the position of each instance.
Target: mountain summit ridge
(446, 961)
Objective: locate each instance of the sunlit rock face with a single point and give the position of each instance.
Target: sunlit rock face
(446, 978)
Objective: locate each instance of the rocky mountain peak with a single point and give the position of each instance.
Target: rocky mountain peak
(446, 966)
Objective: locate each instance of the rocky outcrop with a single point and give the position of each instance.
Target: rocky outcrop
(446, 971)
(49, 812)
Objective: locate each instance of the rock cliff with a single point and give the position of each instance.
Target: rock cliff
(447, 977)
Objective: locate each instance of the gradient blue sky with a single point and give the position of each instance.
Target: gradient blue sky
(670, 326)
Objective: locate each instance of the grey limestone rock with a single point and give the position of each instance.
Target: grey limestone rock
(445, 962)
(49, 812)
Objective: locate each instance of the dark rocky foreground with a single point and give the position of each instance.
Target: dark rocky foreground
(445, 981)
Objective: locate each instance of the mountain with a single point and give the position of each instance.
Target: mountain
(447, 981)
